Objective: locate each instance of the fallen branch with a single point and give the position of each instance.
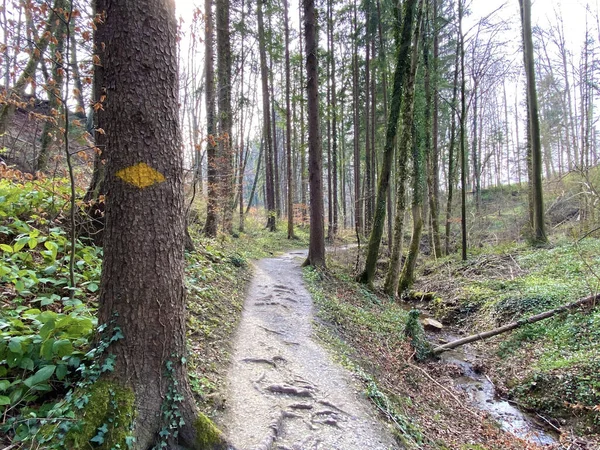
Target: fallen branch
(511, 326)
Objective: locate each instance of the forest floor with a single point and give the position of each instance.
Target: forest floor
(283, 389)
(467, 400)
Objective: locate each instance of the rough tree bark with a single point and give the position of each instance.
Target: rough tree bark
(316, 250)
(142, 290)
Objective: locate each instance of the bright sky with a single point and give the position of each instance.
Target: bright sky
(573, 12)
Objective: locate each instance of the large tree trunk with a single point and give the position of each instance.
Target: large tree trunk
(316, 250)
(212, 218)
(402, 66)
(142, 293)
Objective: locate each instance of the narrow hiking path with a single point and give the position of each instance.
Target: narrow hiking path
(284, 391)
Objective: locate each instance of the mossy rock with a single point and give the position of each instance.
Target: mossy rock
(208, 436)
(107, 418)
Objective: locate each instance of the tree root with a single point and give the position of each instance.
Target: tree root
(289, 390)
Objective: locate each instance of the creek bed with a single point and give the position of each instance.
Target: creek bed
(482, 393)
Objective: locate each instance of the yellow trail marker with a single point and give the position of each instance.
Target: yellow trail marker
(141, 175)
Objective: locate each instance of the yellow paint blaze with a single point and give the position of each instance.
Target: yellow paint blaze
(141, 175)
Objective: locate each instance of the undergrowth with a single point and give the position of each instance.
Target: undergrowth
(47, 328)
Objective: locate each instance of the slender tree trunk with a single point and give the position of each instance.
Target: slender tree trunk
(463, 138)
(257, 175)
(225, 119)
(316, 250)
(212, 218)
(78, 91)
(358, 210)
(451, 148)
(288, 127)
(368, 157)
(433, 178)
(50, 132)
(402, 71)
(269, 181)
(404, 147)
(539, 231)
(334, 125)
(303, 169)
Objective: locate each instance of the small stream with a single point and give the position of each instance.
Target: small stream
(483, 394)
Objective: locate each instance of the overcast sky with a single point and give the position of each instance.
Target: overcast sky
(573, 12)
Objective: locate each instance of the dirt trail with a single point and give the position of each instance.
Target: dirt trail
(284, 391)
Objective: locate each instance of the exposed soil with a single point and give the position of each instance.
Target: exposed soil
(284, 391)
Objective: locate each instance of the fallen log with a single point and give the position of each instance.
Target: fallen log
(592, 299)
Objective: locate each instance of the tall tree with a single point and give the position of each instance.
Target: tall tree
(142, 292)
(358, 201)
(538, 226)
(463, 130)
(55, 94)
(407, 276)
(288, 126)
(212, 221)
(316, 250)
(334, 125)
(225, 119)
(404, 146)
(433, 178)
(268, 140)
(401, 72)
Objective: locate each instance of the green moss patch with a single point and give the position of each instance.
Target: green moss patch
(208, 436)
(106, 418)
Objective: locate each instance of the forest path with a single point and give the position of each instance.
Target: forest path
(284, 391)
